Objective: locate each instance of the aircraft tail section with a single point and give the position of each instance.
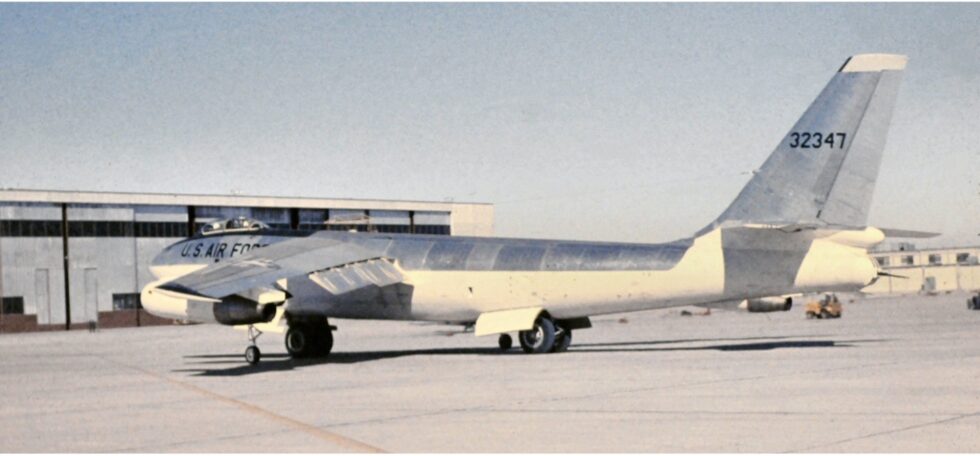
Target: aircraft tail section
(824, 170)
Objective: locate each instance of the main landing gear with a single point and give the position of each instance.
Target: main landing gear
(547, 336)
(309, 338)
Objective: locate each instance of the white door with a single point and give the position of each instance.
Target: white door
(91, 295)
(42, 300)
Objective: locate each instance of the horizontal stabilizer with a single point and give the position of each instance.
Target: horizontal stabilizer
(897, 233)
(888, 274)
(797, 227)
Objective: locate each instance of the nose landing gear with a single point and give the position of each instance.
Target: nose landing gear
(252, 353)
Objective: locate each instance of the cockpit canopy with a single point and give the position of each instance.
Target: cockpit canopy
(235, 225)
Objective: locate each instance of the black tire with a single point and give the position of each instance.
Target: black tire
(540, 338)
(253, 355)
(299, 341)
(505, 342)
(562, 340)
(824, 314)
(323, 341)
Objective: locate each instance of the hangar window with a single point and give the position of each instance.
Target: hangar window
(882, 261)
(312, 219)
(160, 229)
(908, 260)
(30, 228)
(935, 259)
(432, 229)
(431, 222)
(964, 258)
(13, 305)
(390, 221)
(125, 301)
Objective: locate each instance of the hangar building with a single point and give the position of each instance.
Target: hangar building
(927, 270)
(78, 259)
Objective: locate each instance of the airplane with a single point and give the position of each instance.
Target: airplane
(798, 226)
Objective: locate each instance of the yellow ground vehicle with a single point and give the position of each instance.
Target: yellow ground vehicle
(828, 307)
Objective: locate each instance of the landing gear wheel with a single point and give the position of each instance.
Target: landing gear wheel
(298, 341)
(540, 338)
(824, 314)
(323, 339)
(562, 340)
(305, 340)
(253, 355)
(505, 342)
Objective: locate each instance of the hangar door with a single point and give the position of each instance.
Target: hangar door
(91, 295)
(42, 299)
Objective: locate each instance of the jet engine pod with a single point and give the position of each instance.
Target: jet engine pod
(773, 304)
(236, 310)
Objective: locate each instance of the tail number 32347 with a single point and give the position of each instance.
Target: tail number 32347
(808, 140)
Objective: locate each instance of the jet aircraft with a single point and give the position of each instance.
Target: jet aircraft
(798, 226)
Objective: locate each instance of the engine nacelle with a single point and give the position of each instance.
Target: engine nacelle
(232, 310)
(236, 310)
(772, 304)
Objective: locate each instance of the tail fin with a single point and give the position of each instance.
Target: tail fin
(824, 170)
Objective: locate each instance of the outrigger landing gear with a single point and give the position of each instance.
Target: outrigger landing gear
(308, 338)
(505, 342)
(252, 353)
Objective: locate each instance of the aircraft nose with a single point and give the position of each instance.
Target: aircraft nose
(162, 305)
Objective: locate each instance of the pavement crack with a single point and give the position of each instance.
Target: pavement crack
(322, 434)
(890, 431)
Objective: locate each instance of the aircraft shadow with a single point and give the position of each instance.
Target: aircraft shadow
(682, 341)
(282, 362)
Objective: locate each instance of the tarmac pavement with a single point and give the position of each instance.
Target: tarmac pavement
(895, 374)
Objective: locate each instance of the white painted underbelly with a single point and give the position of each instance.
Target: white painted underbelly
(464, 295)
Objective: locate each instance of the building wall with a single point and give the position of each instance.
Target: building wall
(928, 270)
(149, 247)
(472, 220)
(31, 264)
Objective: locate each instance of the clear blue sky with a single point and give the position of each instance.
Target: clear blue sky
(634, 122)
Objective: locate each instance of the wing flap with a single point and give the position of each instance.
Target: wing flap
(344, 279)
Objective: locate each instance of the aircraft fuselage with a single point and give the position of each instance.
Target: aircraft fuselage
(459, 278)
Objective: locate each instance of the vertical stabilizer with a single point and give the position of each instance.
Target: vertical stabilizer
(824, 169)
